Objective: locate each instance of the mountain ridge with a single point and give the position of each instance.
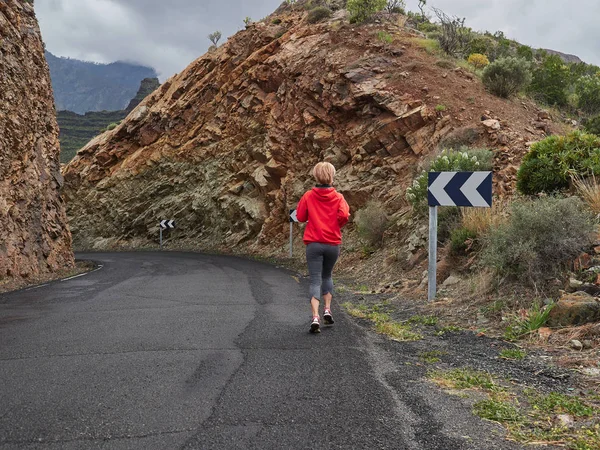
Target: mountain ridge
(81, 86)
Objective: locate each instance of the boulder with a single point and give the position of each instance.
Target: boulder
(492, 124)
(575, 309)
(576, 345)
(451, 281)
(544, 115)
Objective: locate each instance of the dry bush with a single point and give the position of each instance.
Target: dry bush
(539, 239)
(455, 38)
(371, 223)
(589, 191)
(318, 14)
(481, 220)
(461, 137)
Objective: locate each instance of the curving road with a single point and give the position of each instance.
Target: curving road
(180, 350)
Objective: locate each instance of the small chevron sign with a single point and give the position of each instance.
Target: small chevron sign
(167, 224)
(293, 216)
(472, 189)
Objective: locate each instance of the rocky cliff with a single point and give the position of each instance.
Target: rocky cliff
(35, 238)
(225, 147)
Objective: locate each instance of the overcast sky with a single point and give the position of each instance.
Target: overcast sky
(170, 34)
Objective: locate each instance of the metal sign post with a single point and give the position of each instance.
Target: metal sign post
(433, 234)
(165, 225)
(469, 189)
(293, 218)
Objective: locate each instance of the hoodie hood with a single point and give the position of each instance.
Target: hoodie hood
(325, 194)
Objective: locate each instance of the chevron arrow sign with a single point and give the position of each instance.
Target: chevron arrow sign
(167, 224)
(293, 216)
(460, 189)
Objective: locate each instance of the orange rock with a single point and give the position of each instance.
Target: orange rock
(545, 333)
(583, 262)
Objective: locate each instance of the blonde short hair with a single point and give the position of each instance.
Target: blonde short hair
(324, 173)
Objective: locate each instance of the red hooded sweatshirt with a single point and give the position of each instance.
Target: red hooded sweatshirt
(326, 212)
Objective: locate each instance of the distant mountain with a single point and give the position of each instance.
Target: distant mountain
(81, 86)
(77, 130)
(567, 58)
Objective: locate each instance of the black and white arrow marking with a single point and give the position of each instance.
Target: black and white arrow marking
(167, 224)
(460, 189)
(293, 216)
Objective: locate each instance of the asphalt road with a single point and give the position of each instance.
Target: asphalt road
(181, 350)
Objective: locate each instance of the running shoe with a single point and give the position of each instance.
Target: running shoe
(315, 326)
(327, 317)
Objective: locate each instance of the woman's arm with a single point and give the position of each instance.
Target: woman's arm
(343, 212)
(302, 209)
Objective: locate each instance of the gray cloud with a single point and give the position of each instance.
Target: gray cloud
(168, 35)
(165, 35)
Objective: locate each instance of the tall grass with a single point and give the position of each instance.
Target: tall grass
(480, 220)
(589, 191)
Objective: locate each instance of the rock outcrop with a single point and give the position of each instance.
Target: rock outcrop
(35, 238)
(225, 147)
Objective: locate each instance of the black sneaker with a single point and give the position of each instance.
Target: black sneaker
(327, 317)
(315, 326)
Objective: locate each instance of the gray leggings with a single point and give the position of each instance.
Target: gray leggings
(321, 258)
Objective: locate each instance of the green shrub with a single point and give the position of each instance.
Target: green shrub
(385, 37)
(363, 10)
(552, 162)
(445, 64)
(507, 76)
(483, 45)
(539, 238)
(371, 223)
(427, 27)
(525, 52)
(396, 6)
(525, 323)
(464, 160)
(276, 21)
(503, 47)
(592, 125)
(550, 81)
(435, 35)
(459, 240)
(112, 126)
(431, 46)
(317, 14)
(588, 91)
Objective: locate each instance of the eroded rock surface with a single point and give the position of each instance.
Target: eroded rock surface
(35, 238)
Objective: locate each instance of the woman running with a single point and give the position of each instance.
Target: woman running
(326, 212)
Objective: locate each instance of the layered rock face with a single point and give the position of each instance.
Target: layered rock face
(35, 238)
(225, 148)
